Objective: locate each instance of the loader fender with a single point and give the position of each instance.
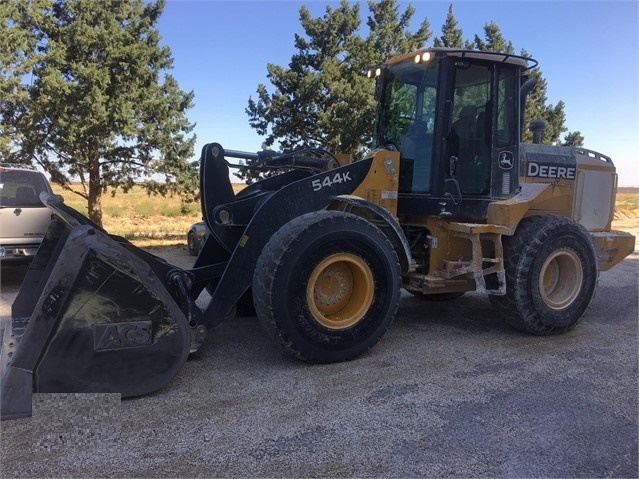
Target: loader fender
(383, 220)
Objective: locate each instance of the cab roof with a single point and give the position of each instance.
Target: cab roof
(439, 52)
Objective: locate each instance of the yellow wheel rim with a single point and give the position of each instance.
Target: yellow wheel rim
(340, 291)
(561, 279)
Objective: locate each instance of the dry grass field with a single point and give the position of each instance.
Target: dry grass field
(159, 221)
(627, 205)
(143, 219)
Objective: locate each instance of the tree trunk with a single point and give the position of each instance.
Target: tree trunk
(95, 192)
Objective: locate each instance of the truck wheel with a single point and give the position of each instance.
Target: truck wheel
(327, 286)
(551, 275)
(191, 241)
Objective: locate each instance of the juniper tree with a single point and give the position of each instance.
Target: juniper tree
(452, 36)
(322, 99)
(537, 106)
(573, 138)
(99, 104)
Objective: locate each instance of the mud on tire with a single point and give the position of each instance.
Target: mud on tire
(551, 275)
(327, 286)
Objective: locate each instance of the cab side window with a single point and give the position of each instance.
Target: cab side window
(470, 136)
(506, 108)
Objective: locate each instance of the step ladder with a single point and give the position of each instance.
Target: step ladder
(475, 233)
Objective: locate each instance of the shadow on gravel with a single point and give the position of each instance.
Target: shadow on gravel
(11, 276)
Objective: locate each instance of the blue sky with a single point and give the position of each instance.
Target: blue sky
(587, 52)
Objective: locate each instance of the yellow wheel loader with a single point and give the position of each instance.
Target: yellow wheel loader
(449, 201)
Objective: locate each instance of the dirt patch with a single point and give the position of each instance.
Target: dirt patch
(177, 255)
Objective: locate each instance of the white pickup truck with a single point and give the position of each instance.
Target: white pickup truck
(23, 218)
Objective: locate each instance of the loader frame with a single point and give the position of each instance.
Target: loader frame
(326, 244)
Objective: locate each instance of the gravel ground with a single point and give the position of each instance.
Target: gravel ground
(450, 391)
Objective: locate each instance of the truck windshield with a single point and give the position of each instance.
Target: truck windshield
(21, 189)
(406, 119)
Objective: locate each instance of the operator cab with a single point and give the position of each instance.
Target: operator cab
(455, 118)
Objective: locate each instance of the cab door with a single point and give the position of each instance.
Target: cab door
(473, 151)
(468, 145)
(481, 141)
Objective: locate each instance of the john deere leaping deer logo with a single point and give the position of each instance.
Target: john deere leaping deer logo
(506, 160)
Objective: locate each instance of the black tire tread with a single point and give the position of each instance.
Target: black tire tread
(519, 254)
(266, 271)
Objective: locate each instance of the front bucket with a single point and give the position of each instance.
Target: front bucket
(92, 316)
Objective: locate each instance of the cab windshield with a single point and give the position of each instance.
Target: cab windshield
(406, 119)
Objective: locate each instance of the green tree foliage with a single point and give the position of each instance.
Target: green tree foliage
(322, 99)
(17, 59)
(97, 104)
(390, 32)
(452, 36)
(573, 138)
(537, 106)
(493, 40)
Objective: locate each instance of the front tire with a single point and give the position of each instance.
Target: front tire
(327, 286)
(551, 275)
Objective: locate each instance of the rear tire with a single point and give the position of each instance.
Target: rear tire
(551, 275)
(327, 286)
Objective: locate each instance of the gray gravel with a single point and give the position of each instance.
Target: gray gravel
(450, 391)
